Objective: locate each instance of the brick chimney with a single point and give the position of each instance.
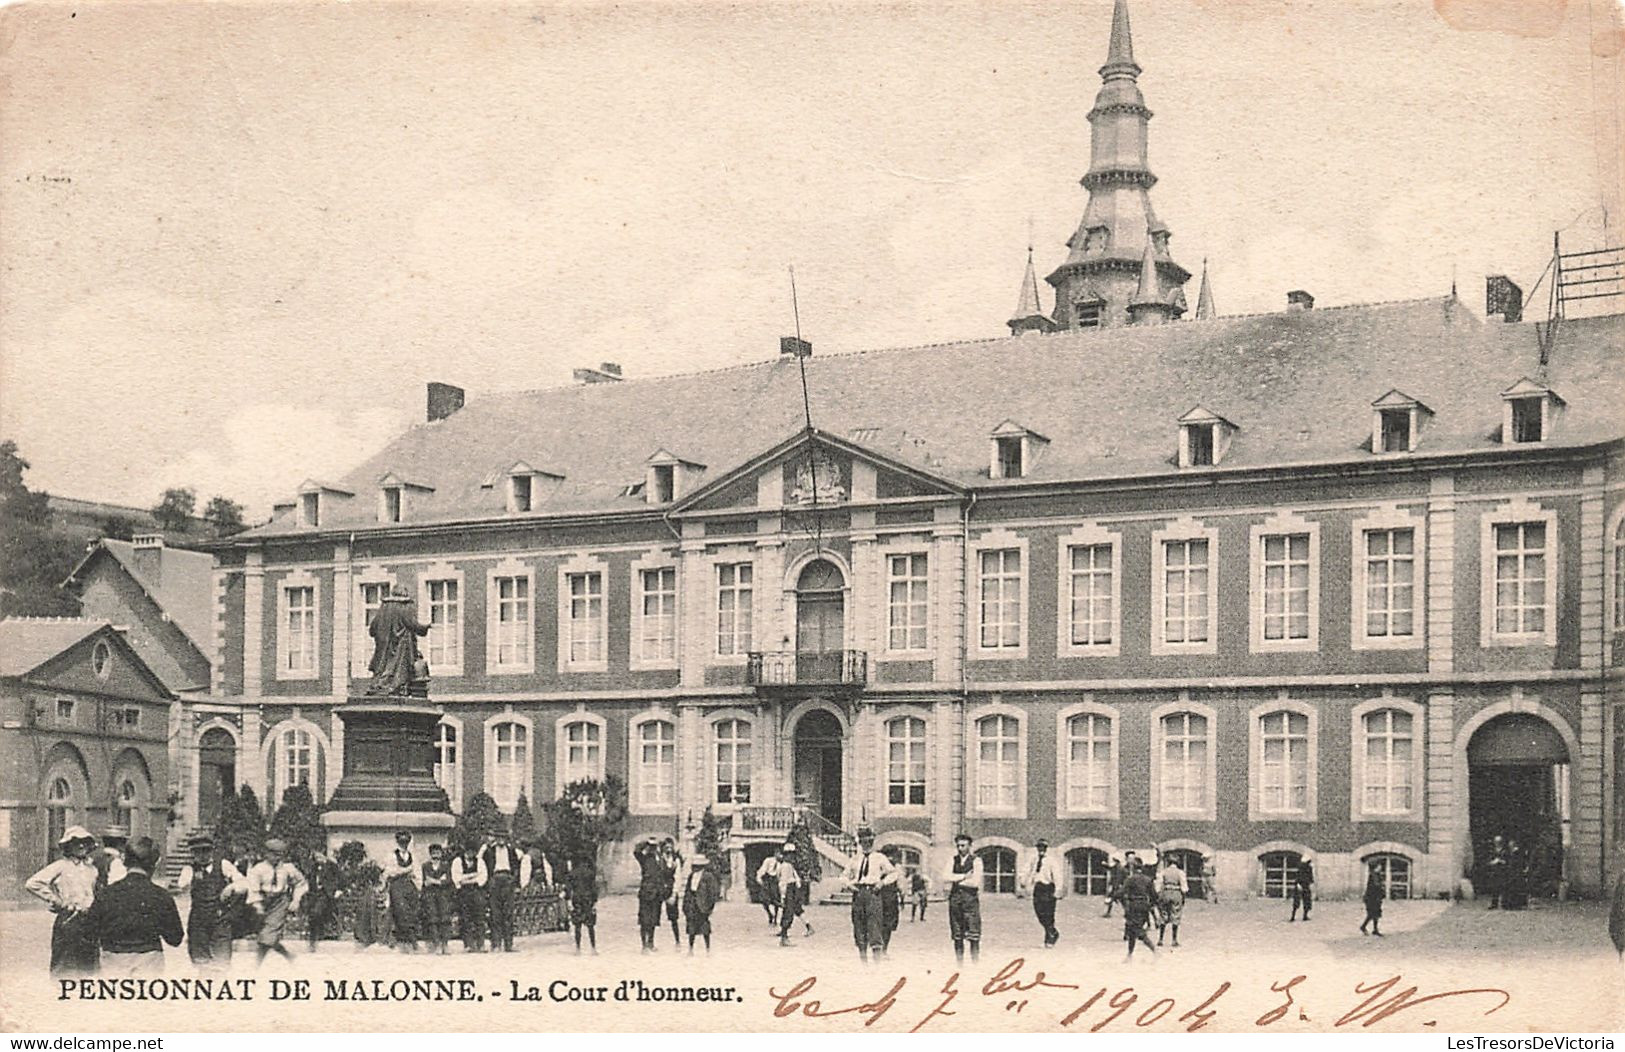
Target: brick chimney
(444, 400)
(794, 347)
(149, 557)
(606, 373)
(1502, 296)
(1298, 299)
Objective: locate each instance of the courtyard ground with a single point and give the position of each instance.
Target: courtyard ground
(1553, 962)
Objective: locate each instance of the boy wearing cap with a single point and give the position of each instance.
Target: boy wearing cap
(68, 886)
(131, 917)
(700, 893)
(275, 887)
(437, 900)
(964, 881)
(401, 885)
(867, 874)
(212, 881)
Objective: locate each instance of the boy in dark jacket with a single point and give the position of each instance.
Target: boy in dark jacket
(700, 894)
(1375, 892)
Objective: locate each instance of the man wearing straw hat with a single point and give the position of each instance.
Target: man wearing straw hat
(68, 886)
(275, 887)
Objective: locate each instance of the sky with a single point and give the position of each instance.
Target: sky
(236, 241)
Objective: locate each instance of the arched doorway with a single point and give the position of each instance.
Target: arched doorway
(217, 773)
(820, 622)
(817, 746)
(1518, 789)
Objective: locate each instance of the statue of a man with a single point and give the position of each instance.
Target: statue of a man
(394, 630)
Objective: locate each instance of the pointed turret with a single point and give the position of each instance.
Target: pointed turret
(1101, 275)
(1149, 305)
(1204, 298)
(1029, 315)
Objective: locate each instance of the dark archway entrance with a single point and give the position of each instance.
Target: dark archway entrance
(817, 746)
(1518, 775)
(216, 774)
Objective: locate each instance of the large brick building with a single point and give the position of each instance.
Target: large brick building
(1337, 581)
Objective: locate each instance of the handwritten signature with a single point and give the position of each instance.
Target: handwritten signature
(1101, 1007)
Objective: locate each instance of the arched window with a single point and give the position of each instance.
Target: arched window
(1284, 777)
(1185, 748)
(908, 859)
(1088, 762)
(510, 762)
(1389, 750)
(1091, 870)
(1191, 862)
(126, 809)
(58, 814)
(1395, 871)
(998, 763)
(656, 764)
(905, 761)
(448, 762)
(581, 751)
(732, 738)
(998, 870)
(295, 759)
(1280, 871)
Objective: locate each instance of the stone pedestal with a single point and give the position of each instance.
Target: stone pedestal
(388, 782)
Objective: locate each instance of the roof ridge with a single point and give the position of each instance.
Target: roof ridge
(54, 620)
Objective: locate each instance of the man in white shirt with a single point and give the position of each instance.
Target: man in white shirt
(1044, 878)
(767, 881)
(1172, 888)
(963, 879)
(868, 873)
(213, 882)
(68, 886)
(507, 869)
(275, 887)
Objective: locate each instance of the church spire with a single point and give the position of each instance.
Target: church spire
(1029, 315)
(1149, 306)
(1204, 298)
(1101, 275)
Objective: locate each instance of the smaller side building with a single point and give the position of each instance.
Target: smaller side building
(84, 739)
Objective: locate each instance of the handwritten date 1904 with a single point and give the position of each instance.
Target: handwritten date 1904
(1102, 1007)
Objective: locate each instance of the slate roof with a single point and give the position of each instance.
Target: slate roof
(26, 643)
(1298, 386)
(183, 589)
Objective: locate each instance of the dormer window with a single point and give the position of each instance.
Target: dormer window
(1204, 438)
(392, 499)
(1396, 422)
(310, 509)
(316, 502)
(1015, 451)
(664, 487)
(1009, 466)
(1530, 412)
(519, 493)
(1087, 315)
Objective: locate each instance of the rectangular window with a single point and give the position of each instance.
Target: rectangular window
(132, 718)
(998, 763)
(1526, 419)
(373, 594)
(1284, 777)
(1184, 762)
(1521, 597)
(1396, 430)
(657, 633)
(64, 709)
(392, 504)
(657, 763)
(734, 598)
(519, 487)
(1390, 583)
(1009, 457)
(1087, 315)
(1388, 762)
(444, 643)
(512, 628)
(310, 504)
(665, 478)
(1199, 437)
(1088, 762)
(1091, 581)
(1001, 599)
(733, 761)
(583, 751)
(905, 761)
(1185, 591)
(511, 759)
(586, 620)
(1286, 586)
(300, 653)
(907, 606)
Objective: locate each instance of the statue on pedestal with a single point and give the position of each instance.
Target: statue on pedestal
(396, 665)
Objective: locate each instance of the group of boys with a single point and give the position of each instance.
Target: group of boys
(110, 917)
(669, 885)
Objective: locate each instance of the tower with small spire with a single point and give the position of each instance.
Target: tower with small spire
(1029, 315)
(1119, 270)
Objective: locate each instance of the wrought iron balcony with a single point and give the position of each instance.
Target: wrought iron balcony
(823, 669)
